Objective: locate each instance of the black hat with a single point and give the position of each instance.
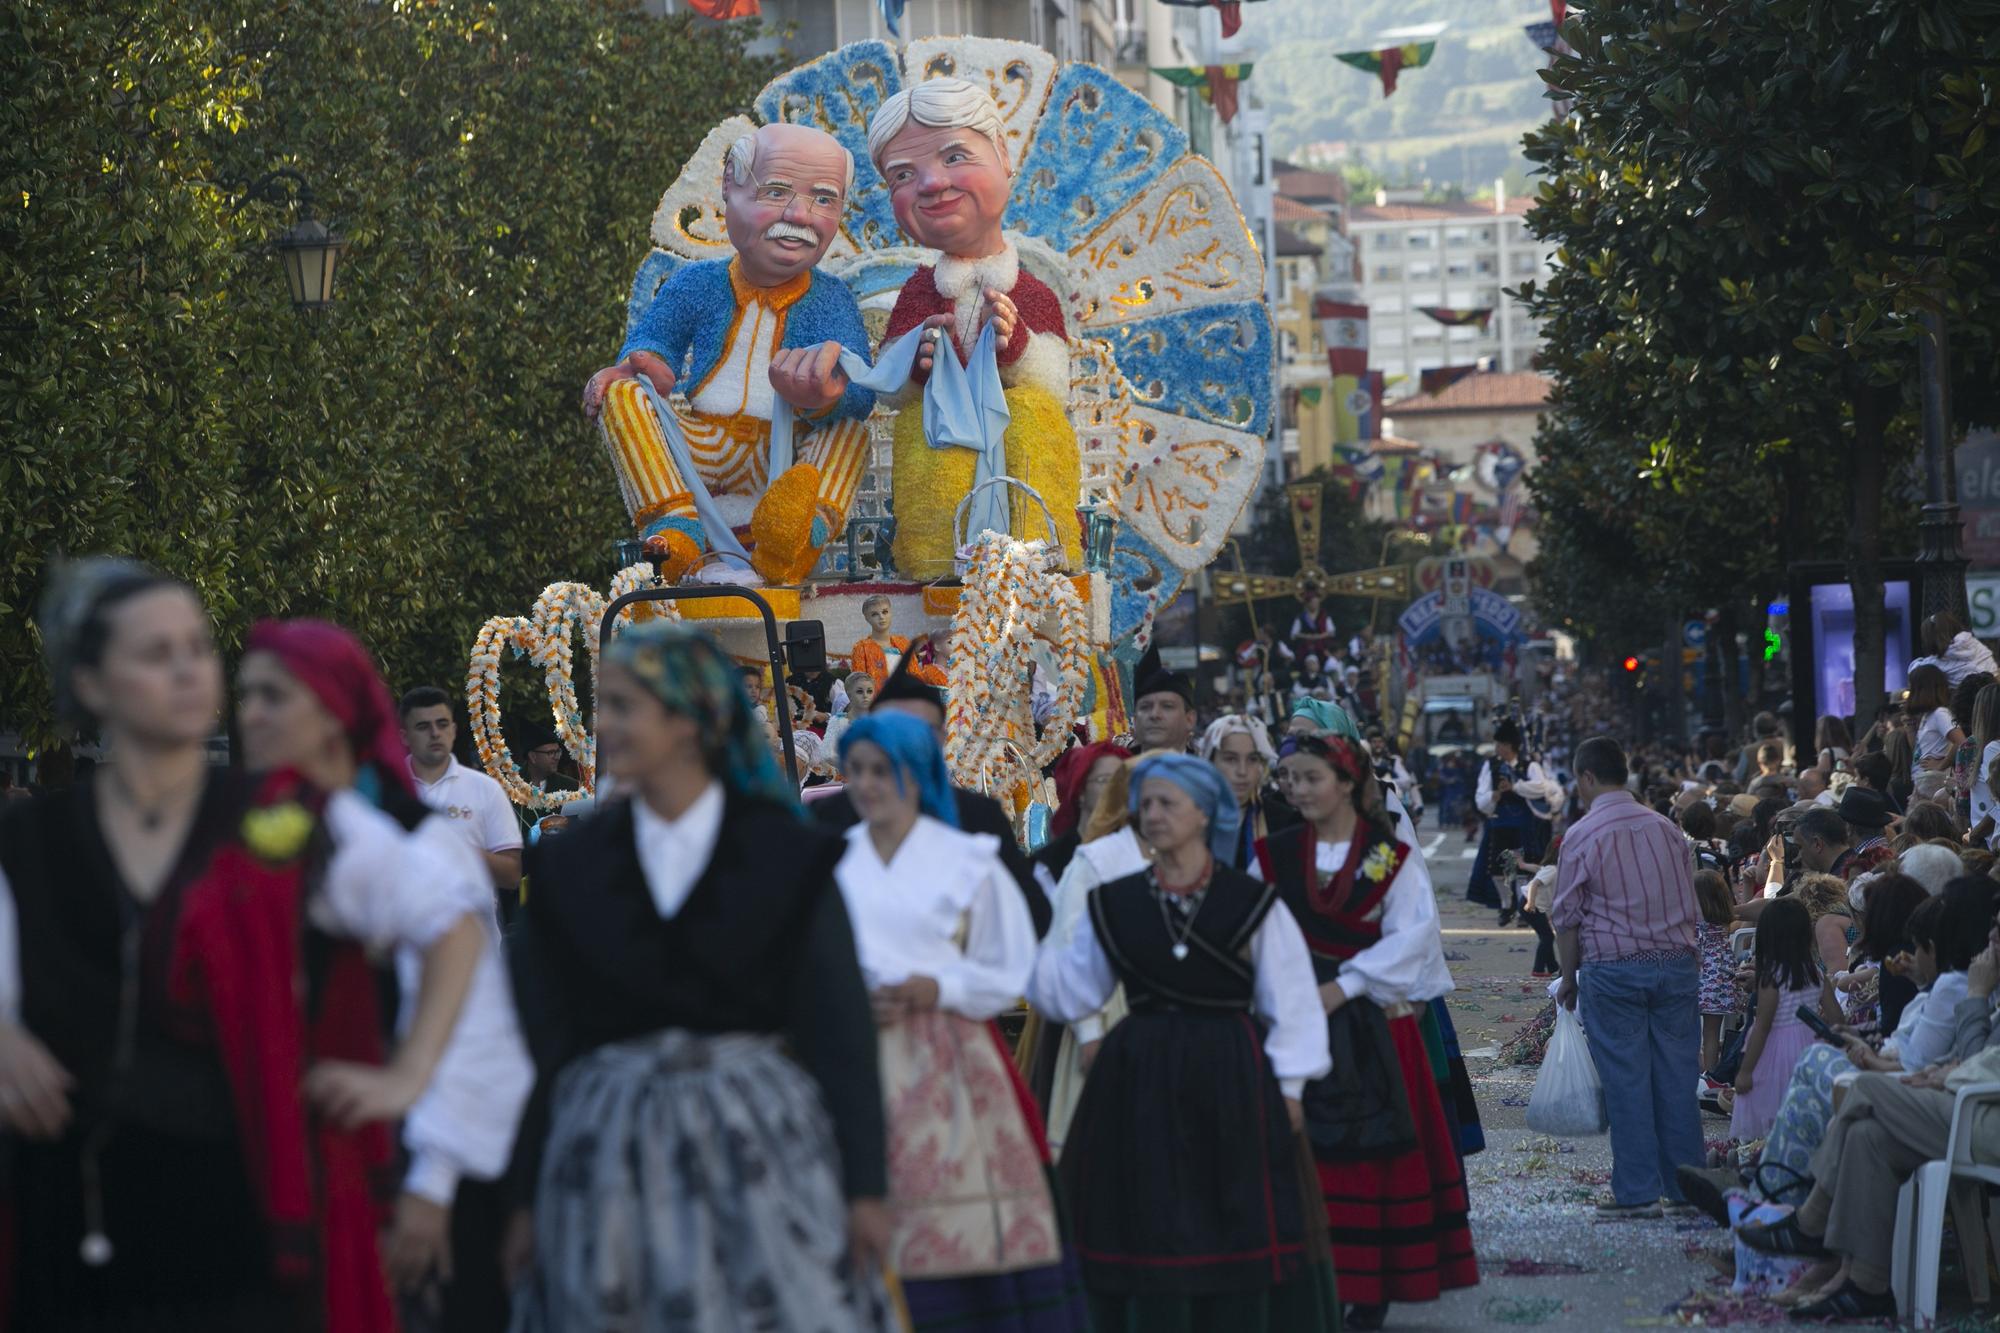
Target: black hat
(538, 734)
(1508, 733)
(1864, 808)
(1149, 677)
(903, 685)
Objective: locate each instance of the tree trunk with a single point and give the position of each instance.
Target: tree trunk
(1872, 409)
(1728, 653)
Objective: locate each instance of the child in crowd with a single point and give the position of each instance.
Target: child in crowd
(1721, 994)
(1788, 976)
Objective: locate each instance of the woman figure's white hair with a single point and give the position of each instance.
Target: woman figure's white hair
(937, 104)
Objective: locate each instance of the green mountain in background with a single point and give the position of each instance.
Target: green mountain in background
(1457, 121)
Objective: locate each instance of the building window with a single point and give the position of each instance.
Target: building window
(1456, 236)
(1422, 271)
(1459, 268)
(1486, 266)
(1388, 273)
(1485, 236)
(1289, 342)
(1526, 263)
(1418, 240)
(1389, 303)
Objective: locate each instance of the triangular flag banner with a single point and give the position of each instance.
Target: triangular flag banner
(1215, 83)
(1483, 316)
(1311, 394)
(1542, 34)
(892, 14)
(1390, 61)
(1231, 12)
(1441, 377)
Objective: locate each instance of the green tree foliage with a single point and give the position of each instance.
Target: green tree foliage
(413, 462)
(1732, 319)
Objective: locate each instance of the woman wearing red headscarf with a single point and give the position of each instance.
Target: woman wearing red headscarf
(191, 1068)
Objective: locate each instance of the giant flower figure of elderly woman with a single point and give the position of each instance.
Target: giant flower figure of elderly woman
(940, 147)
(753, 335)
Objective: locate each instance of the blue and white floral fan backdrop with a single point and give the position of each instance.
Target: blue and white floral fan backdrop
(1163, 289)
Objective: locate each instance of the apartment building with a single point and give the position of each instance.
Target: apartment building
(1459, 256)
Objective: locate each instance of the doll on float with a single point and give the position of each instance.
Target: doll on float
(940, 147)
(756, 334)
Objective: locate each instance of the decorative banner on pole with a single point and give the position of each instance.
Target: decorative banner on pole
(1215, 83)
(727, 9)
(1442, 377)
(1482, 316)
(1559, 10)
(892, 14)
(1390, 61)
(1230, 10)
(1343, 327)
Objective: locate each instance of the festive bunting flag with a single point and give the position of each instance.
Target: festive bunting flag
(892, 14)
(1542, 34)
(1371, 413)
(1215, 83)
(1230, 10)
(1482, 316)
(1310, 394)
(1390, 61)
(1442, 377)
(1498, 465)
(727, 9)
(1366, 466)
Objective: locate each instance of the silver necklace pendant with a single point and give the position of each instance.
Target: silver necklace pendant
(1180, 950)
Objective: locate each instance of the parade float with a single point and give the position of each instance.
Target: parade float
(1034, 540)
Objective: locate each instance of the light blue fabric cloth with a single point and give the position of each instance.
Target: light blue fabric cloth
(892, 15)
(965, 407)
(1204, 784)
(914, 752)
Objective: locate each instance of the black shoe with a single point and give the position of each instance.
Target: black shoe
(1782, 1237)
(1365, 1317)
(1850, 1302)
(1506, 916)
(1707, 1190)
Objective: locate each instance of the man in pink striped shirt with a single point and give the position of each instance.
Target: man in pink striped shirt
(1625, 906)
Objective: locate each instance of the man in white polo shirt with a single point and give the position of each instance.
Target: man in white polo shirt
(474, 803)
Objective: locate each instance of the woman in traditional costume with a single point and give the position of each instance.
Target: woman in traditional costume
(686, 1173)
(946, 945)
(1240, 749)
(191, 1053)
(1109, 849)
(1183, 1171)
(1364, 901)
(1082, 775)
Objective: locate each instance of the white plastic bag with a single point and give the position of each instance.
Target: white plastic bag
(1568, 1100)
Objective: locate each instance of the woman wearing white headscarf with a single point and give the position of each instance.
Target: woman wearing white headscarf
(1240, 749)
(1182, 1167)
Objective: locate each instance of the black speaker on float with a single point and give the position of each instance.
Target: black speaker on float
(805, 646)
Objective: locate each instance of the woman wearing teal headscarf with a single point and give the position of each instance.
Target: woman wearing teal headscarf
(1318, 717)
(678, 943)
(1183, 1166)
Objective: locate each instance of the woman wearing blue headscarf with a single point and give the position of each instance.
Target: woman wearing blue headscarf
(946, 945)
(1182, 1166)
(681, 950)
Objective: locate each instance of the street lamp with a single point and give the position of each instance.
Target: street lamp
(310, 252)
(1939, 558)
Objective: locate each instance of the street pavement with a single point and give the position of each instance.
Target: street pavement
(1544, 1259)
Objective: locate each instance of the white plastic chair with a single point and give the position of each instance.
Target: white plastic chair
(1956, 1178)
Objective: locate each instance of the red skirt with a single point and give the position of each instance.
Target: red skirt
(1398, 1226)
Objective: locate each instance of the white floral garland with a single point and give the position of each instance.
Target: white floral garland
(1010, 588)
(546, 639)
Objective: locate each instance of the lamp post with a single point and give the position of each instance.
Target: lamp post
(310, 252)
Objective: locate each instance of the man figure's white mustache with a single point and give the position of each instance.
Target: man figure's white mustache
(791, 231)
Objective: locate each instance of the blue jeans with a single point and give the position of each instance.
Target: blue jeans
(1644, 1025)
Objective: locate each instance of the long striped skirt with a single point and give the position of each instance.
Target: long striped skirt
(692, 1183)
(1398, 1226)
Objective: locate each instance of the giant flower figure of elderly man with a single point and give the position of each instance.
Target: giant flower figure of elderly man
(939, 145)
(748, 331)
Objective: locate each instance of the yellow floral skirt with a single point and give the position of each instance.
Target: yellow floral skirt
(927, 484)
